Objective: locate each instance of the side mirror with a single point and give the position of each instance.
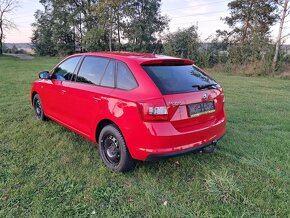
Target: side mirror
(43, 75)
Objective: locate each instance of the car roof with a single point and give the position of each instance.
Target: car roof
(140, 58)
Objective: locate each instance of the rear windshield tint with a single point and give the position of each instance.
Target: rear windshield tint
(177, 79)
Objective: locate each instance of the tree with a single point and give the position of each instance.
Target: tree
(248, 18)
(42, 40)
(6, 7)
(106, 31)
(144, 24)
(62, 27)
(250, 23)
(83, 19)
(67, 25)
(284, 13)
(111, 13)
(183, 43)
(56, 30)
(139, 23)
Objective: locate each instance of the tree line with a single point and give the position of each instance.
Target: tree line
(67, 26)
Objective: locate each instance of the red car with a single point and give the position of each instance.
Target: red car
(135, 106)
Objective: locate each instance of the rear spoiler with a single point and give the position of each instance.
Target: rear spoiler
(174, 62)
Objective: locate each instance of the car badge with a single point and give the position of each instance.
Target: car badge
(175, 103)
(205, 97)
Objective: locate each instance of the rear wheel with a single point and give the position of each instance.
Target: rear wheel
(38, 109)
(113, 150)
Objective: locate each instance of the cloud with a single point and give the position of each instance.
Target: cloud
(205, 14)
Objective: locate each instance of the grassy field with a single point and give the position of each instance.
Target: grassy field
(47, 170)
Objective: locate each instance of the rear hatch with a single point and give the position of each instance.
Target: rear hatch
(192, 97)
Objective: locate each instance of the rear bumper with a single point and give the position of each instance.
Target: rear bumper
(153, 157)
(160, 139)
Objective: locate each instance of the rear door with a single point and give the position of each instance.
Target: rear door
(88, 93)
(192, 97)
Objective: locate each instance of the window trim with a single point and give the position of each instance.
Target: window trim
(115, 67)
(60, 63)
(117, 72)
(80, 65)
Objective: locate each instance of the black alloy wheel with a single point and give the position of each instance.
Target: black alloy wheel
(38, 109)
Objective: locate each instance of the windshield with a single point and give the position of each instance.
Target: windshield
(178, 79)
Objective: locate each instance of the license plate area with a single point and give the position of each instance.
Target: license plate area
(198, 109)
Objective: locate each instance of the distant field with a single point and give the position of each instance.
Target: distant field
(47, 170)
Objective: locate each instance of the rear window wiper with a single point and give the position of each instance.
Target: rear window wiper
(200, 87)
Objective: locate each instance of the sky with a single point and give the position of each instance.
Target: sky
(182, 13)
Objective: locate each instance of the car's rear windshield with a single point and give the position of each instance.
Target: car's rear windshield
(178, 79)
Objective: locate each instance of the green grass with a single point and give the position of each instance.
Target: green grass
(47, 170)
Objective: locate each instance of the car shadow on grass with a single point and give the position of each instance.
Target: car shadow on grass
(192, 160)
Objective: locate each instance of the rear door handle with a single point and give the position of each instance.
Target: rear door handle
(63, 91)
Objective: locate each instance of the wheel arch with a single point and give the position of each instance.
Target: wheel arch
(32, 96)
(101, 125)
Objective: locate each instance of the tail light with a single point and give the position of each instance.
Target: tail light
(154, 110)
(223, 96)
(222, 93)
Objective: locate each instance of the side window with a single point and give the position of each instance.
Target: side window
(66, 69)
(125, 79)
(92, 70)
(109, 76)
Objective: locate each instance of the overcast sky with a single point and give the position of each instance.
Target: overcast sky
(182, 13)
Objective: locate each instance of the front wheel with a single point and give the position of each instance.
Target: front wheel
(113, 150)
(38, 109)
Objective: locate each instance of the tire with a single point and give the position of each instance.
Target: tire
(113, 150)
(38, 109)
